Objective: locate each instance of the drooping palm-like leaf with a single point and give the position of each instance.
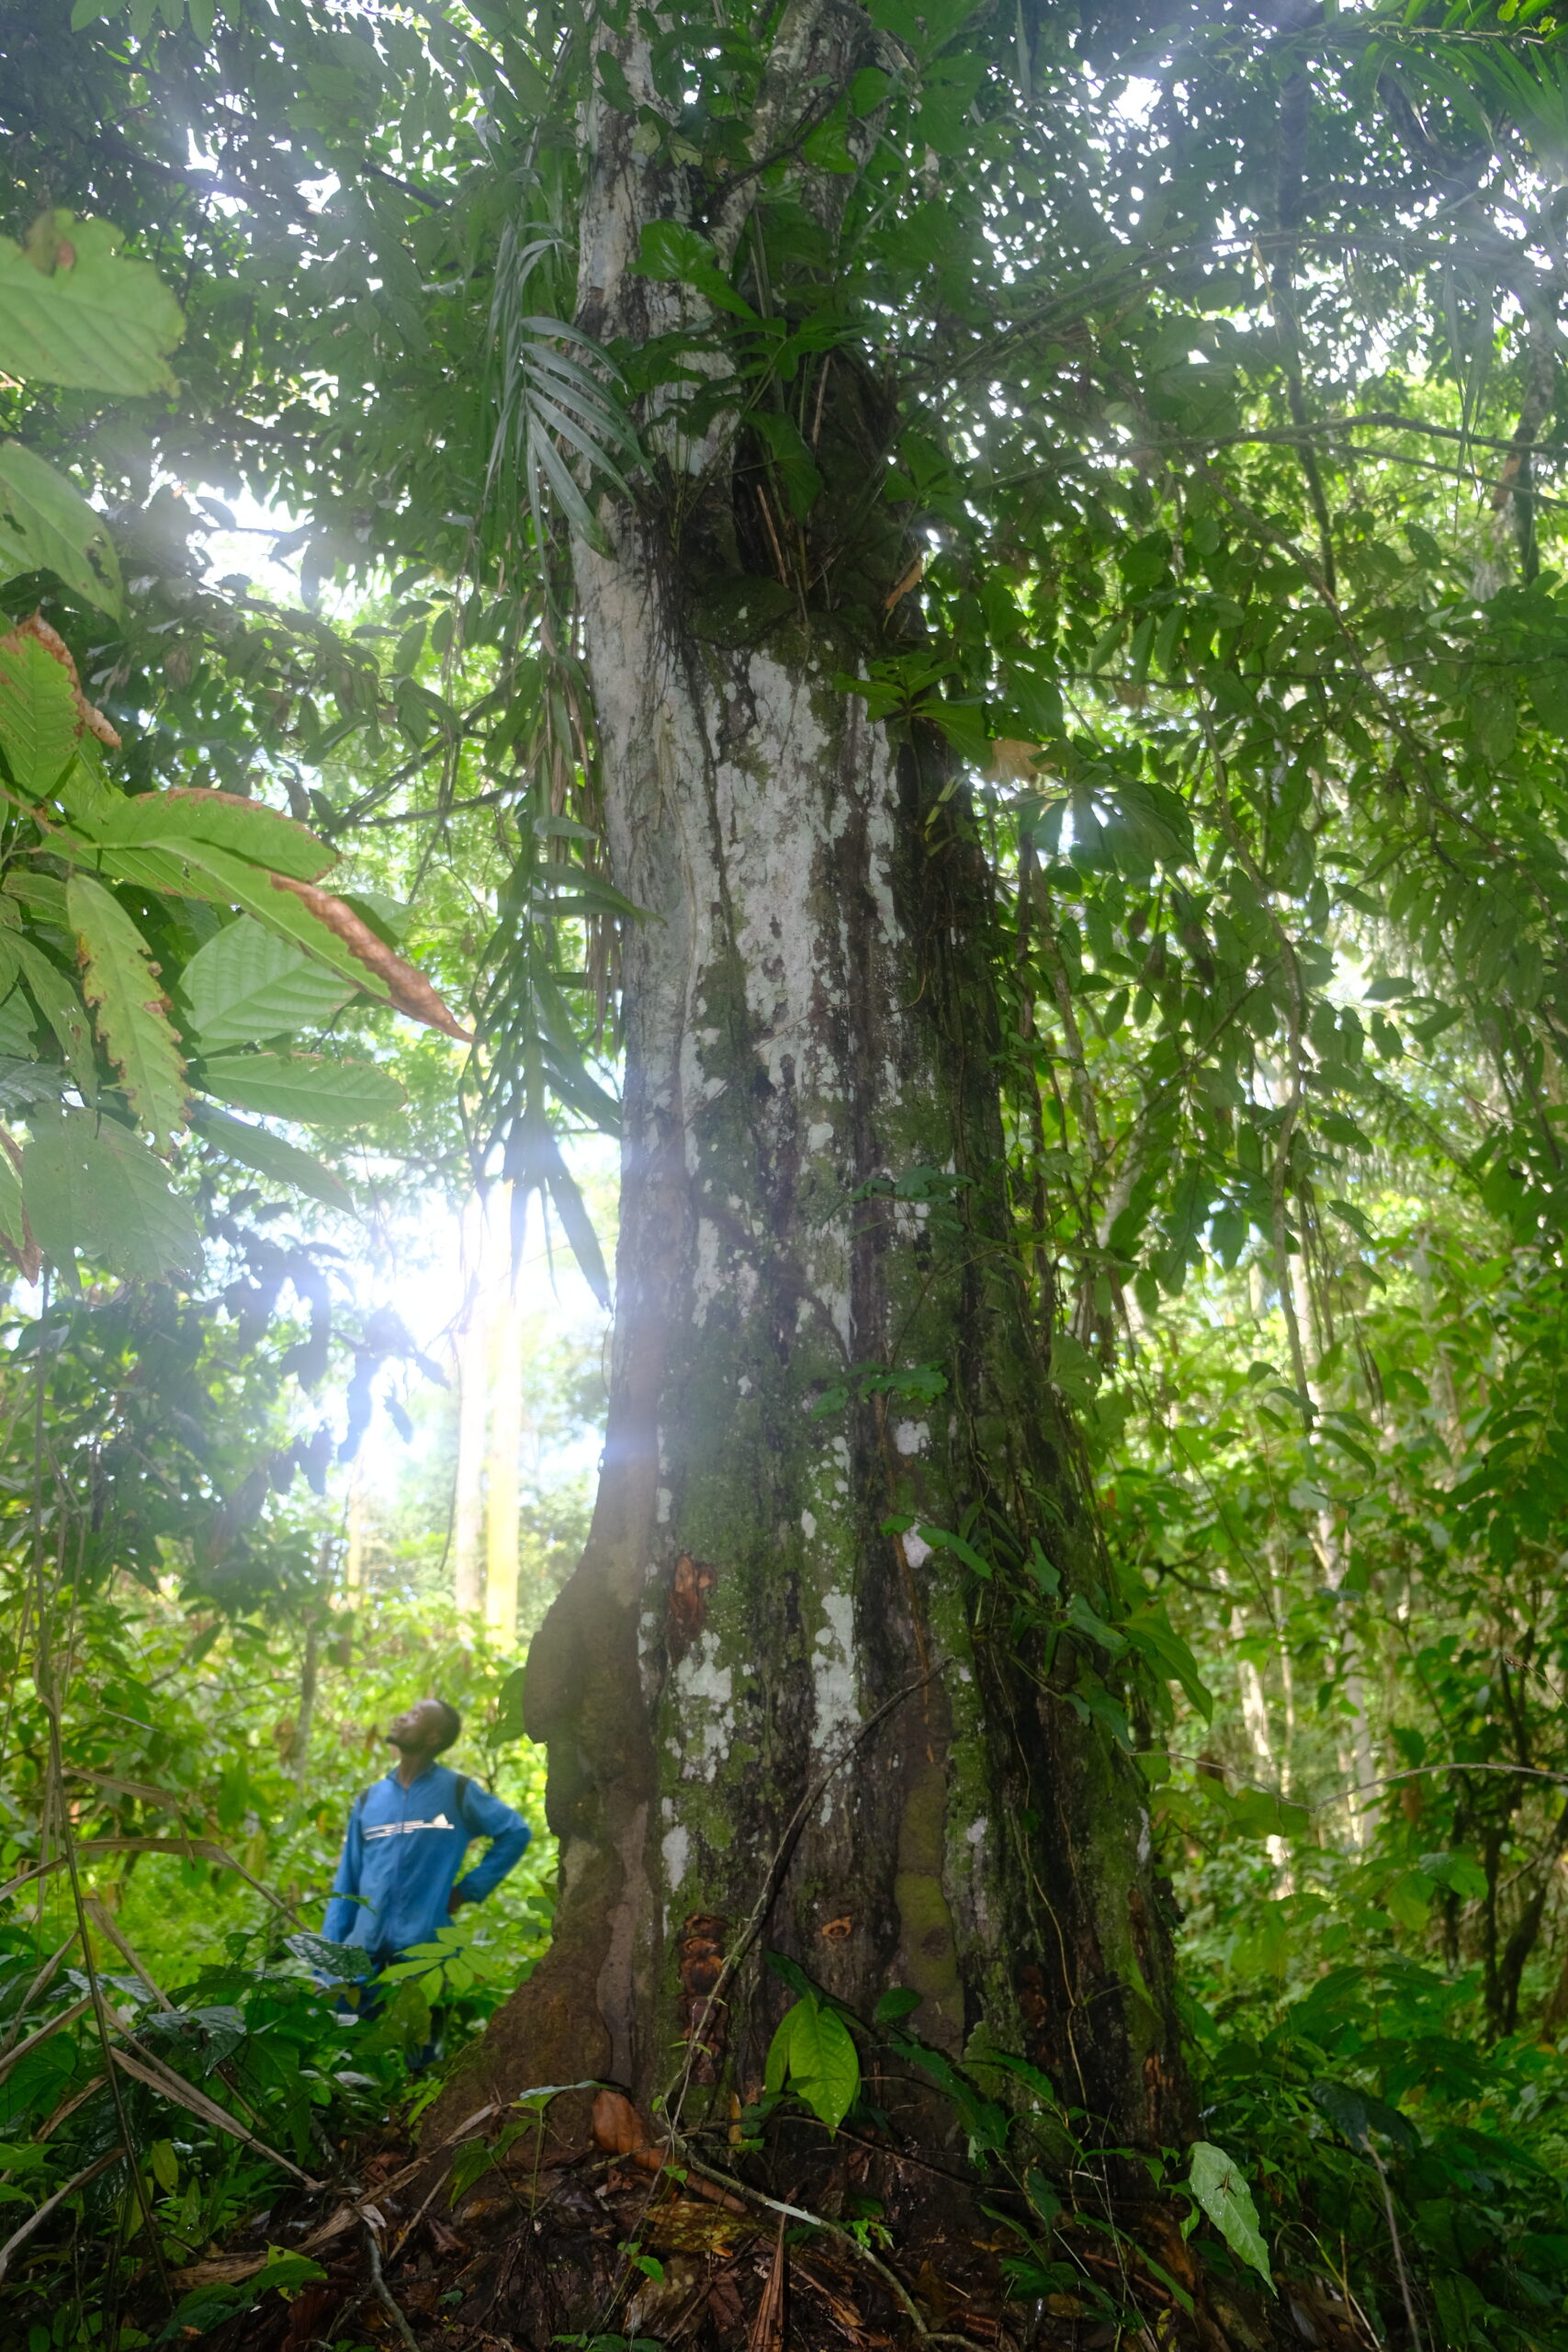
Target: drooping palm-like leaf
(559, 407)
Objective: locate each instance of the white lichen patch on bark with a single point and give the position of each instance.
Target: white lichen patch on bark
(676, 1849)
(834, 1674)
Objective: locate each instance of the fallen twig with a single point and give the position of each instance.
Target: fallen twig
(386, 2298)
(863, 2253)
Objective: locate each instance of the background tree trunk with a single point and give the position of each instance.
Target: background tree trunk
(753, 1691)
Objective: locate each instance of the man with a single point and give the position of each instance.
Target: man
(397, 1882)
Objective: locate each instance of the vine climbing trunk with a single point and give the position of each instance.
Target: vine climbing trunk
(784, 1714)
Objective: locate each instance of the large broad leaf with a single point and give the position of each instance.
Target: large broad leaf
(195, 869)
(40, 723)
(121, 986)
(247, 983)
(63, 1011)
(17, 1022)
(45, 526)
(307, 1088)
(246, 828)
(669, 249)
(1356, 2112)
(11, 1223)
(268, 1155)
(90, 1185)
(815, 2052)
(1220, 2185)
(73, 311)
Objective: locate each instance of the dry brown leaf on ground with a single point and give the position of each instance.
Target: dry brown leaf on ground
(768, 2327)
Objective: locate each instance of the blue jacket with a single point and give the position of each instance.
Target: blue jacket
(401, 1856)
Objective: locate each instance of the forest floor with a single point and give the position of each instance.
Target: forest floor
(563, 2244)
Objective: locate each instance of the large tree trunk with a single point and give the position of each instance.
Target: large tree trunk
(756, 1695)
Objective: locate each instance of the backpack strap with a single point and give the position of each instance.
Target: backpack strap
(461, 1800)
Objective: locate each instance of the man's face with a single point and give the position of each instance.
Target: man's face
(420, 1730)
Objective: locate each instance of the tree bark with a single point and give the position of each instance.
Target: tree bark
(770, 1703)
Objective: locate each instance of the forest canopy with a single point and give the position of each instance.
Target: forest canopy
(948, 627)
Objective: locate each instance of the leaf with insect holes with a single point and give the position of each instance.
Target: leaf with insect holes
(1220, 2187)
(120, 984)
(45, 526)
(75, 310)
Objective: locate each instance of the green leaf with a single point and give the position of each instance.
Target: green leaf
(940, 1541)
(508, 1724)
(269, 1155)
(669, 249)
(246, 828)
(307, 1088)
(572, 1211)
(1150, 1631)
(797, 470)
(40, 723)
(73, 311)
(61, 1007)
(613, 82)
(535, 1164)
(898, 2002)
(947, 92)
(91, 1185)
(247, 983)
(1074, 1371)
(121, 985)
(45, 526)
(814, 2051)
(11, 1223)
(17, 1025)
(1220, 2187)
(1356, 2113)
(195, 869)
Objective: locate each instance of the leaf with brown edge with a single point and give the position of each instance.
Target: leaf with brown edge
(404, 983)
(246, 828)
(92, 717)
(121, 983)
